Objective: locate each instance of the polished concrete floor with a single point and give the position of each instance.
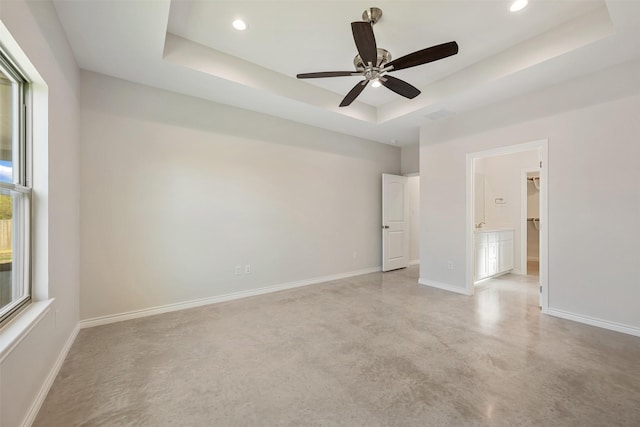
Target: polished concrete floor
(373, 350)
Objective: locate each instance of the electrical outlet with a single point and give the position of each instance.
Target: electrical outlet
(238, 270)
(450, 265)
(247, 269)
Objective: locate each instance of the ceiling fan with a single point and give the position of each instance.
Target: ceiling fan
(373, 63)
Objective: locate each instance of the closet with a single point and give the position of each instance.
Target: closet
(533, 222)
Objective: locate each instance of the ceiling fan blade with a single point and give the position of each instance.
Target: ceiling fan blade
(365, 41)
(327, 74)
(424, 56)
(353, 93)
(399, 86)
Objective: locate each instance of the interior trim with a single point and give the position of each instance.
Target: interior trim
(46, 386)
(443, 286)
(592, 321)
(19, 327)
(152, 311)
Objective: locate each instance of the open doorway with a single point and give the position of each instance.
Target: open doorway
(530, 252)
(497, 216)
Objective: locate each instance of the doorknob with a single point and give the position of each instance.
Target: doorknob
(385, 226)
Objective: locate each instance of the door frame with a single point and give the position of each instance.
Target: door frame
(542, 147)
(414, 262)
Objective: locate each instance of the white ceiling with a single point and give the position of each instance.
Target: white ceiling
(190, 47)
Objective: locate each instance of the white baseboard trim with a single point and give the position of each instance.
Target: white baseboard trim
(44, 390)
(414, 262)
(135, 314)
(605, 324)
(443, 286)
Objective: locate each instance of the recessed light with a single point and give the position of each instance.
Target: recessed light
(239, 25)
(518, 5)
(376, 83)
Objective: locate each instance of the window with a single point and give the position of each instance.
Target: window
(15, 191)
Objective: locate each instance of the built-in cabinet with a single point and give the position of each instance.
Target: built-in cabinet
(493, 252)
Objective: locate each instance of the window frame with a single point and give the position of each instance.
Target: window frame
(21, 184)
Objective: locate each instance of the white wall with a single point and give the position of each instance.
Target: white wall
(177, 191)
(410, 159)
(413, 189)
(593, 217)
(503, 180)
(25, 370)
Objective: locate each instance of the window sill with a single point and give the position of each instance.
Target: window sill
(18, 328)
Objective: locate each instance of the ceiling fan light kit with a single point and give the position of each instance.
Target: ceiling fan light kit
(373, 63)
(239, 25)
(518, 5)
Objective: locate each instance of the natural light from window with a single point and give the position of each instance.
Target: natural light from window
(14, 192)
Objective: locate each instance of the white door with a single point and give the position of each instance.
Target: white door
(395, 222)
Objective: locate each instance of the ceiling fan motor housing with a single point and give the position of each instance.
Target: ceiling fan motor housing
(383, 57)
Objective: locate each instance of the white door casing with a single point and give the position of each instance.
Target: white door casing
(395, 222)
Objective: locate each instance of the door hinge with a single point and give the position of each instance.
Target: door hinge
(540, 163)
(540, 288)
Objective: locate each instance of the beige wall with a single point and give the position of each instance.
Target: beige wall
(26, 367)
(410, 159)
(593, 205)
(178, 191)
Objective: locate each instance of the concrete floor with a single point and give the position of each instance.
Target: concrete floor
(373, 350)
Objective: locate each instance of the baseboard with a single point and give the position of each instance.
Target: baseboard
(44, 390)
(152, 311)
(443, 286)
(605, 324)
(414, 262)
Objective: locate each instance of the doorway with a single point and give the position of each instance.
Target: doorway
(500, 207)
(530, 224)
